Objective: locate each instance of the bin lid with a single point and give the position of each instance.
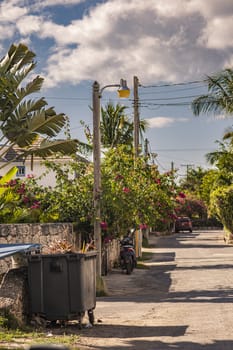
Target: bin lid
(14, 248)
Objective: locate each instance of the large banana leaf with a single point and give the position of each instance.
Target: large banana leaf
(6, 178)
(48, 148)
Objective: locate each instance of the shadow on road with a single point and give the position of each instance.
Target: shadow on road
(178, 240)
(200, 296)
(120, 331)
(158, 345)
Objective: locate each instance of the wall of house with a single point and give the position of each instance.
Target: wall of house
(37, 170)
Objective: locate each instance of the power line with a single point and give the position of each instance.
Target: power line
(180, 104)
(184, 150)
(172, 90)
(175, 84)
(170, 98)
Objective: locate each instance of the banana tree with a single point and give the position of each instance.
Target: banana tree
(28, 125)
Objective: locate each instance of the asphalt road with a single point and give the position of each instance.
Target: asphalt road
(183, 301)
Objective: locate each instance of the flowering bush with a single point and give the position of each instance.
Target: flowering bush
(19, 203)
(190, 206)
(134, 194)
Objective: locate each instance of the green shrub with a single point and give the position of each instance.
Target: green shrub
(221, 204)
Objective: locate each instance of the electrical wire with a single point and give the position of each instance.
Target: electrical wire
(175, 84)
(169, 98)
(172, 90)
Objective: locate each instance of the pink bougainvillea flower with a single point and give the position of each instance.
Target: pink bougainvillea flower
(182, 195)
(142, 226)
(25, 199)
(35, 205)
(22, 189)
(30, 176)
(104, 225)
(12, 183)
(173, 216)
(158, 181)
(126, 189)
(107, 239)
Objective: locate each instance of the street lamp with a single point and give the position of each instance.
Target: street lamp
(123, 92)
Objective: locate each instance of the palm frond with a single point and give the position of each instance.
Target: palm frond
(16, 58)
(27, 107)
(48, 148)
(220, 96)
(34, 86)
(47, 122)
(228, 134)
(205, 104)
(213, 157)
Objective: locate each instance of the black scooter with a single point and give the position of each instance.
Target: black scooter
(128, 260)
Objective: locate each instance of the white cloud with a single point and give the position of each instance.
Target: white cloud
(212, 8)
(29, 24)
(218, 33)
(45, 3)
(10, 10)
(162, 40)
(163, 122)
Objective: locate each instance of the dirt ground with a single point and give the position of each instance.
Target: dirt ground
(184, 300)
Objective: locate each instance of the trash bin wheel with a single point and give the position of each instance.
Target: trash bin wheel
(91, 316)
(80, 319)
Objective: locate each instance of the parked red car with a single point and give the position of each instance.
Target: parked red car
(183, 223)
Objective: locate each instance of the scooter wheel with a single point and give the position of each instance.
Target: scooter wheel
(129, 266)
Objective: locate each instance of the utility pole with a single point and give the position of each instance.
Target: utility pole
(188, 167)
(136, 116)
(123, 92)
(97, 173)
(172, 167)
(146, 148)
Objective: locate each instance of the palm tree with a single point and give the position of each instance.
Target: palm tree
(28, 124)
(223, 160)
(116, 127)
(220, 96)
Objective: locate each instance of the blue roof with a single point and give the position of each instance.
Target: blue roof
(14, 248)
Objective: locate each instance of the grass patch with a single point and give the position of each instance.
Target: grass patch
(142, 266)
(101, 290)
(145, 256)
(145, 243)
(22, 338)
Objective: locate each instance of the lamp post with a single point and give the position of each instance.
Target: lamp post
(123, 92)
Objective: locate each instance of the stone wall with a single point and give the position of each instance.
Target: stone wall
(110, 255)
(43, 234)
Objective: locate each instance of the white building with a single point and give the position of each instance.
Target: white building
(31, 166)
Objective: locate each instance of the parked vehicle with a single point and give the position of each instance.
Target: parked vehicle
(183, 223)
(128, 260)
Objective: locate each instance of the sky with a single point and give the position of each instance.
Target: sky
(170, 45)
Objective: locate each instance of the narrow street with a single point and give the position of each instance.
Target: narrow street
(182, 301)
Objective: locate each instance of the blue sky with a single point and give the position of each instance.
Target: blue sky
(167, 44)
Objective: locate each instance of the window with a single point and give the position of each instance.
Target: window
(21, 170)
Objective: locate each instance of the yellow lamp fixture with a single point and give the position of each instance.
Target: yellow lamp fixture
(123, 91)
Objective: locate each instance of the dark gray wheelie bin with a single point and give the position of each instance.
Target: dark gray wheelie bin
(62, 286)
